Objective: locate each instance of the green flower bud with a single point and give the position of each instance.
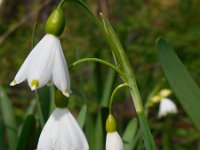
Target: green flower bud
(55, 24)
(111, 125)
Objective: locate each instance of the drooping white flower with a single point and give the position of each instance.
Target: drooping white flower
(45, 63)
(114, 141)
(62, 132)
(167, 106)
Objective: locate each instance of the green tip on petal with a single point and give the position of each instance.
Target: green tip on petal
(55, 24)
(14, 82)
(65, 91)
(34, 84)
(111, 125)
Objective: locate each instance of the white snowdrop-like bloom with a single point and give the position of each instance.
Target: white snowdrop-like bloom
(45, 63)
(114, 141)
(62, 132)
(167, 106)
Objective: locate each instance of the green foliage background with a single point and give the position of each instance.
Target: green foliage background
(138, 24)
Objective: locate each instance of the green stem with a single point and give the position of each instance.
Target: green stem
(124, 63)
(61, 3)
(126, 67)
(102, 62)
(39, 108)
(113, 94)
(33, 34)
(87, 9)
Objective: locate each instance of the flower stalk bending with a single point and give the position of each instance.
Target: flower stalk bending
(124, 65)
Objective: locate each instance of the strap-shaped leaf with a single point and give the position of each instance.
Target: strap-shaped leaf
(27, 139)
(128, 137)
(8, 119)
(184, 87)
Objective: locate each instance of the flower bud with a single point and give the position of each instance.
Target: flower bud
(111, 125)
(55, 24)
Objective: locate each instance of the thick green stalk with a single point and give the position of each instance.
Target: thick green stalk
(126, 67)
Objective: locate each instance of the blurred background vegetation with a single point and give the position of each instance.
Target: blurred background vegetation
(138, 24)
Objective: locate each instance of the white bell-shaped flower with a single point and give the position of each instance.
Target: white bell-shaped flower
(45, 63)
(167, 106)
(62, 132)
(114, 141)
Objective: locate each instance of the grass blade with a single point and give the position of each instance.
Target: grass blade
(89, 126)
(99, 133)
(27, 139)
(186, 90)
(129, 137)
(9, 119)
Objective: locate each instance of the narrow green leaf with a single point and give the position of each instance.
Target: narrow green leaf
(129, 134)
(90, 126)
(27, 139)
(82, 116)
(9, 119)
(99, 133)
(186, 90)
(31, 107)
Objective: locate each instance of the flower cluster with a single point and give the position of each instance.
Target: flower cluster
(46, 64)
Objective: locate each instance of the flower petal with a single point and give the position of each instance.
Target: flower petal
(167, 106)
(25, 67)
(61, 132)
(42, 61)
(114, 141)
(60, 74)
